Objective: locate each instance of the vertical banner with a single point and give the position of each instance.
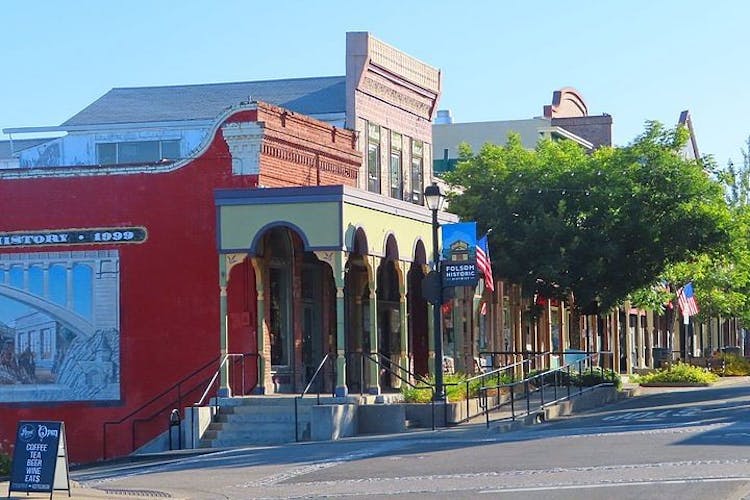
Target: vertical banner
(40, 458)
(459, 255)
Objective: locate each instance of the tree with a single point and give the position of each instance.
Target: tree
(591, 228)
(722, 281)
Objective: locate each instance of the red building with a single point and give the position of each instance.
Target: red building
(120, 256)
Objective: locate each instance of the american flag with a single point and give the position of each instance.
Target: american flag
(483, 263)
(686, 300)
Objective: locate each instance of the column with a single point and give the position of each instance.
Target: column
(373, 369)
(69, 283)
(224, 389)
(403, 355)
(45, 280)
(430, 331)
(616, 347)
(639, 341)
(341, 383)
(628, 341)
(475, 329)
(265, 384)
(649, 338)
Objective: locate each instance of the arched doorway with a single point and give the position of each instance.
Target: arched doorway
(357, 314)
(242, 327)
(317, 306)
(389, 315)
(278, 252)
(418, 313)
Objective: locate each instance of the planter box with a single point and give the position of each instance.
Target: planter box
(420, 414)
(677, 384)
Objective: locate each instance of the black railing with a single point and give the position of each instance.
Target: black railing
(532, 360)
(328, 358)
(504, 374)
(382, 363)
(232, 361)
(407, 377)
(585, 372)
(176, 395)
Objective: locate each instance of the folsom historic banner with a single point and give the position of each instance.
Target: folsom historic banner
(459, 264)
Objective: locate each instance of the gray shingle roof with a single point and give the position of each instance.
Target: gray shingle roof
(310, 96)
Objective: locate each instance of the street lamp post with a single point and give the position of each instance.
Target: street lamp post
(434, 199)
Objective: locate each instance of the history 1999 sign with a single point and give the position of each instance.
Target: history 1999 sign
(73, 237)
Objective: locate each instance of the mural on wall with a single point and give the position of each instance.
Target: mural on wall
(60, 326)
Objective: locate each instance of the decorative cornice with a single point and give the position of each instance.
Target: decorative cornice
(400, 63)
(302, 156)
(378, 89)
(244, 140)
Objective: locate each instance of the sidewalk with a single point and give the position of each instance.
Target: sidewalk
(500, 422)
(77, 492)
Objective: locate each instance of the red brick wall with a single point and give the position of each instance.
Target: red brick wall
(298, 150)
(169, 285)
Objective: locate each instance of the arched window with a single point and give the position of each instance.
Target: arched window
(83, 287)
(58, 284)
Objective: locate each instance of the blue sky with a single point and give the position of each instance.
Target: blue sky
(636, 60)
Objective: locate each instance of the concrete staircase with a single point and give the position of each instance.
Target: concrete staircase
(261, 420)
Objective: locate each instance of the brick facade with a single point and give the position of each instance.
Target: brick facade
(300, 151)
(595, 129)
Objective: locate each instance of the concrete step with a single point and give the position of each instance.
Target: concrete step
(259, 417)
(257, 401)
(268, 427)
(265, 410)
(249, 438)
(288, 400)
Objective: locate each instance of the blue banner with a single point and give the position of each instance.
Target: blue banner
(459, 255)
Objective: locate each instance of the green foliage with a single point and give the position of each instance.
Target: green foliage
(419, 394)
(584, 215)
(733, 366)
(680, 373)
(455, 389)
(722, 279)
(588, 378)
(5, 454)
(596, 376)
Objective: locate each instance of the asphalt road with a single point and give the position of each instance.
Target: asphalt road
(678, 443)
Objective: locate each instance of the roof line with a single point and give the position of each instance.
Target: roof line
(231, 83)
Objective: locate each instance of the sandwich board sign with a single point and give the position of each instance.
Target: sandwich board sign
(40, 458)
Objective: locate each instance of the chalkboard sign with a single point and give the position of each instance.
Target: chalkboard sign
(40, 462)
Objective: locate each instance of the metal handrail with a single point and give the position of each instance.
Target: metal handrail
(530, 385)
(326, 358)
(423, 384)
(177, 385)
(497, 373)
(384, 361)
(217, 406)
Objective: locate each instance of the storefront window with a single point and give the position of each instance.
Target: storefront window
(417, 171)
(373, 158)
(397, 178)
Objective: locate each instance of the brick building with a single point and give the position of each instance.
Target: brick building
(270, 223)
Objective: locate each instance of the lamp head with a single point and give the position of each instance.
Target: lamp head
(434, 198)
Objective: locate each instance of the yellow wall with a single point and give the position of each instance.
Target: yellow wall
(320, 222)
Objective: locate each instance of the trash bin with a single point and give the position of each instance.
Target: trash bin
(661, 356)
